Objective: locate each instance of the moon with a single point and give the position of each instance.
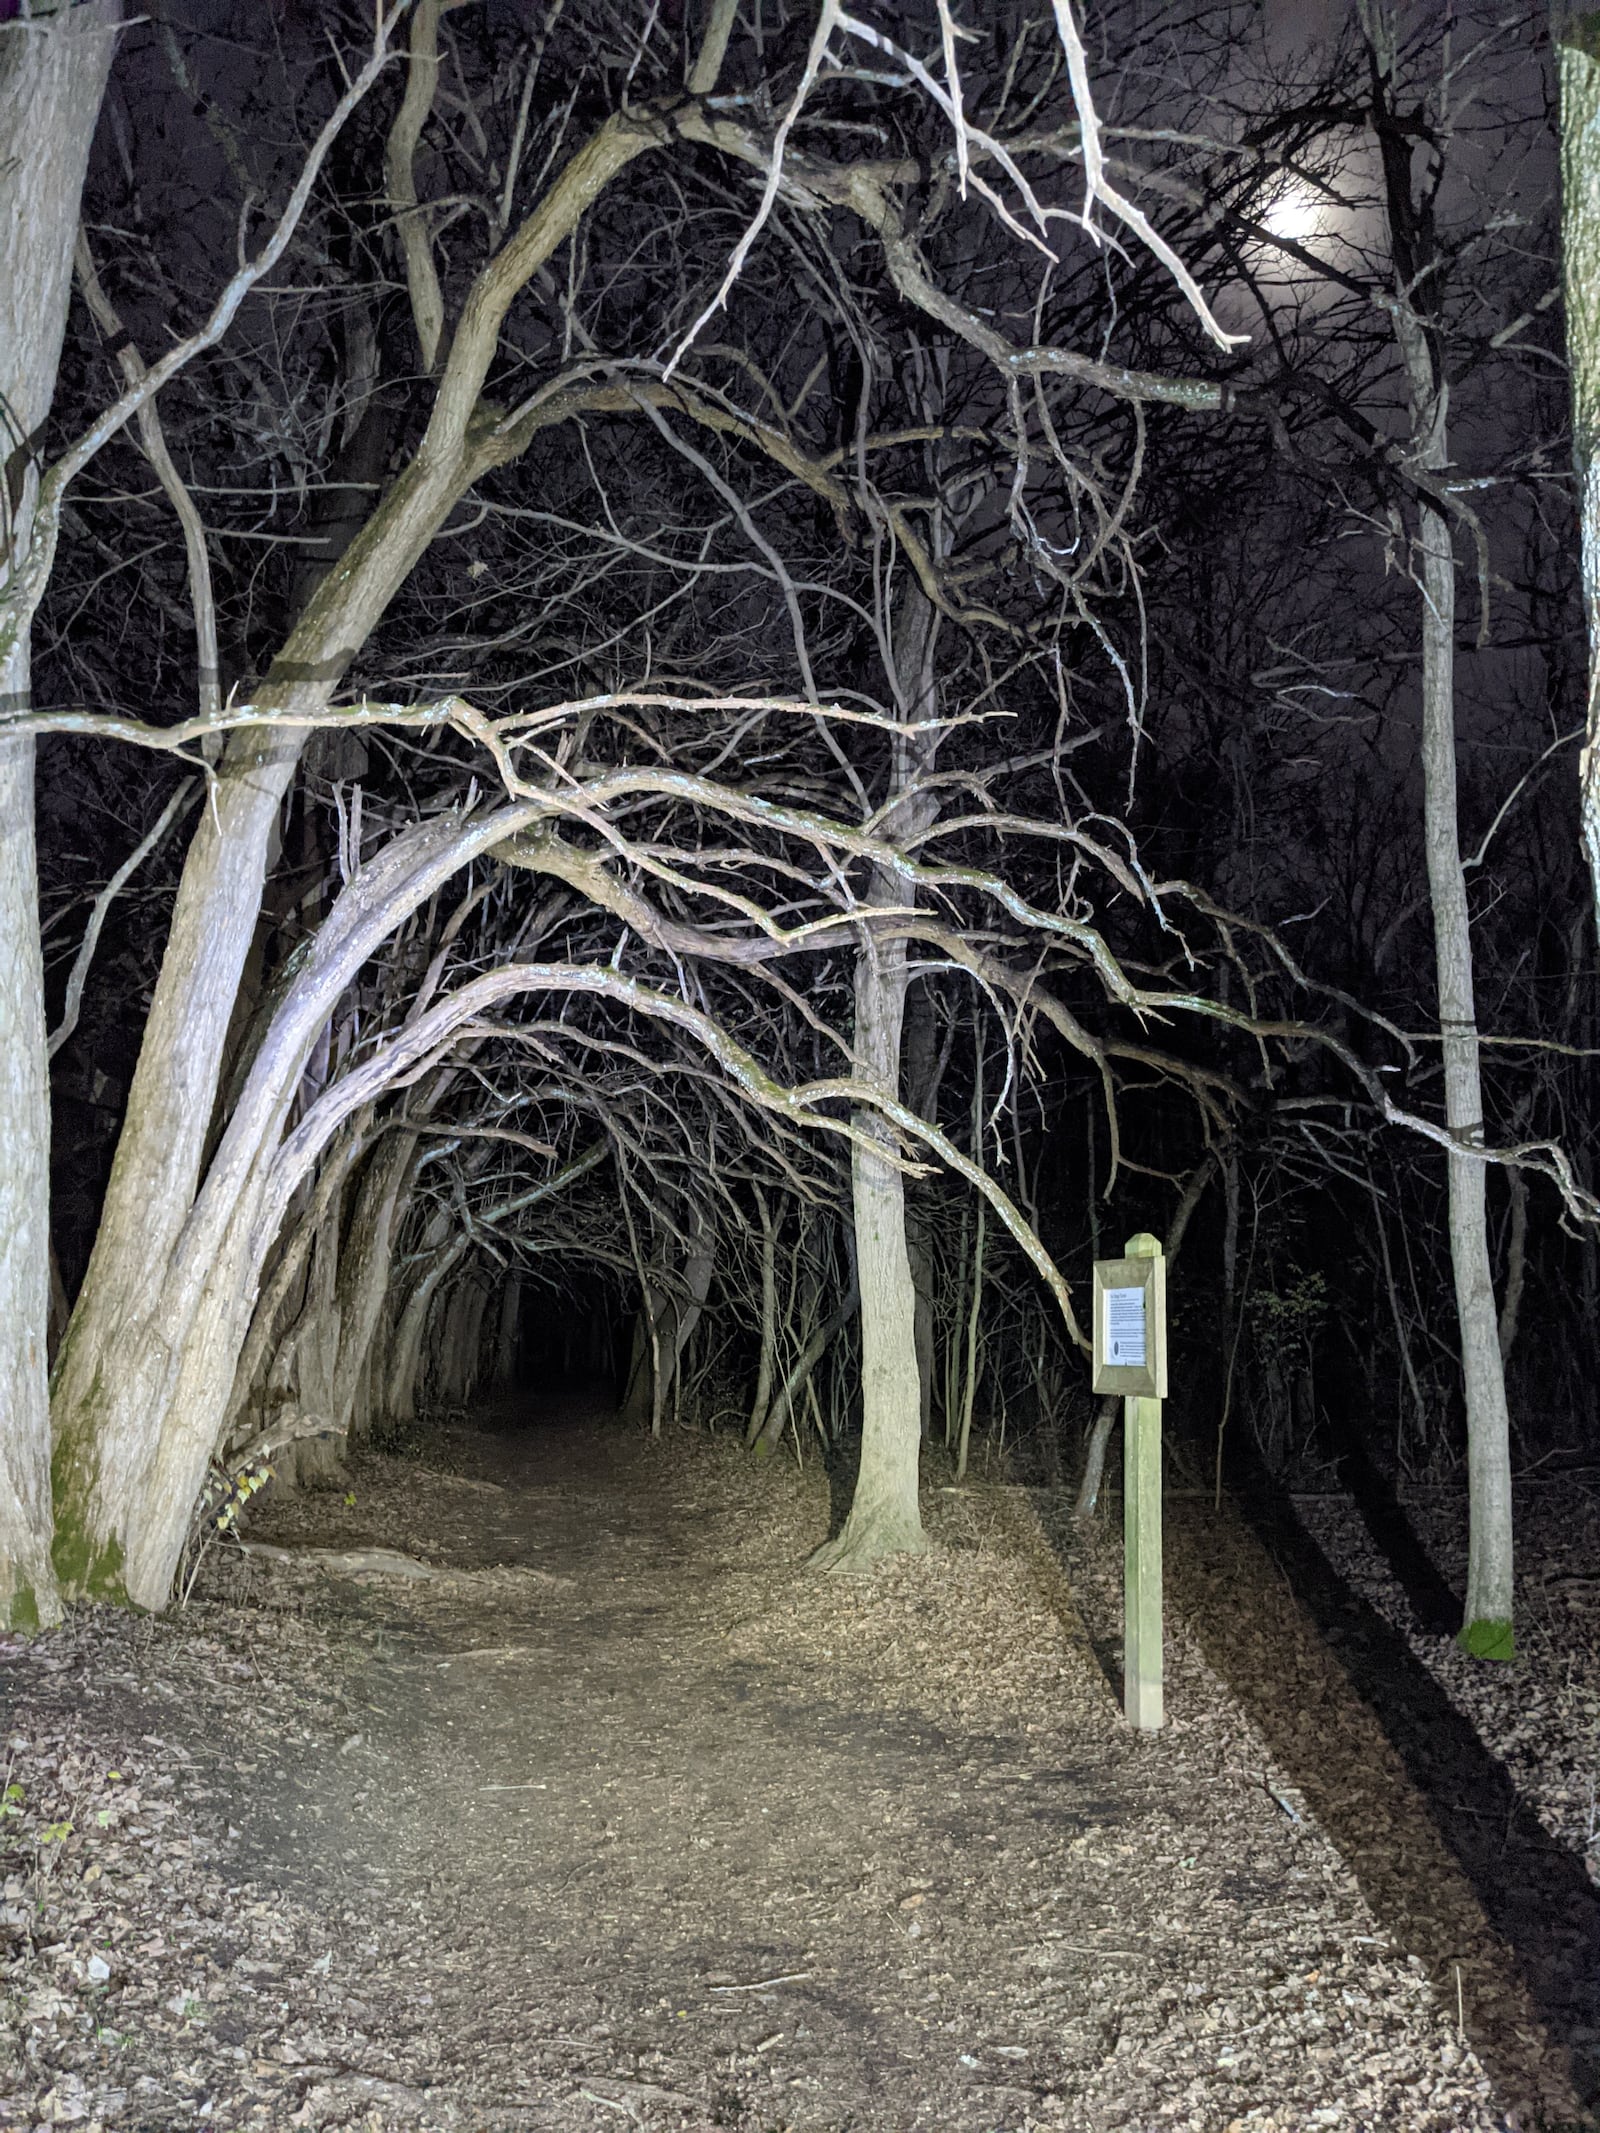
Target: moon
(1295, 214)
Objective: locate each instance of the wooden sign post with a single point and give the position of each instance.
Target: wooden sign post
(1130, 1357)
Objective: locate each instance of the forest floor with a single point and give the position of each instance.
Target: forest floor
(620, 1819)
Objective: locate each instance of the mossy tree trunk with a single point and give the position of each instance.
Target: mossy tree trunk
(116, 1395)
(130, 1461)
(52, 79)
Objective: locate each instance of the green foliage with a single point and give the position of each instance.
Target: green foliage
(1285, 1321)
(227, 1493)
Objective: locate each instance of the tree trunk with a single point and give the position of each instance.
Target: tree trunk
(885, 1515)
(52, 79)
(924, 1067)
(1577, 36)
(681, 1312)
(800, 1375)
(505, 1352)
(134, 1453)
(1419, 270)
(667, 1317)
(969, 1387)
(304, 1370)
(1486, 1630)
(364, 1268)
(118, 1361)
(769, 1320)
(246, 1413)
(406, 1369)
(459, 1332)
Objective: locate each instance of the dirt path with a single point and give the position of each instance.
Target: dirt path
(621, 1819)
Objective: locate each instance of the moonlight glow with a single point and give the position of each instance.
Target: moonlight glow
(1295, 214)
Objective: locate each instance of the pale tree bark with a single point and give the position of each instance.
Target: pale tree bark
(797, 1380)
(668, 1316)
(161, 1406)
(455, 1363)
(885, 1515)
(405, 1367)
(106, 1430)
(1576, 30)
(52, 78)
(1486, 1631)
(924, 1066)
(302, 1371)
(268, 1326)
(681, 1311)
(365, 1264)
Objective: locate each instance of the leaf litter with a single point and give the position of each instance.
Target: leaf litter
(622, 1818)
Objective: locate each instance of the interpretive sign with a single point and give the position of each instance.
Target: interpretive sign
(1130, 1357)
(1125, 1342)
(1130, 1327)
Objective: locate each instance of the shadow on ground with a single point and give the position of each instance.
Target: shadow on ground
(1449, 1858)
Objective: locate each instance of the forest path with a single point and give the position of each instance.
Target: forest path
(688, 1837)
(622, 1818)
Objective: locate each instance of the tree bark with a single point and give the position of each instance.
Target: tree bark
(510, 1327)
(885, 1515)
(924, 1067)
(801, 1373)
(668, 1316)
(1577, 39)
(405, 1370)
(1486, 1631)
(109, 1415)
(364, 1268)
(52, 80)
(681, 1311)
(769, 1320)
(133, 1457)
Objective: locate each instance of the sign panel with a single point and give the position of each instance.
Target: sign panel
(1125, 1342)
(1130, 1327)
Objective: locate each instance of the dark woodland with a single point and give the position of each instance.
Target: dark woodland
(697, 694)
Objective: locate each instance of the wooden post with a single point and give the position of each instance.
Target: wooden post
(1130, 1357)
(1142, 1698)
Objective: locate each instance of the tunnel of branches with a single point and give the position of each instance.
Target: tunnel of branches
(887, 715)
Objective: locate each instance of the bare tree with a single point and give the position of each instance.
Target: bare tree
(52, 77)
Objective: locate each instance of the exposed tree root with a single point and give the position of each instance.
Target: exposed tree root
(346, 1562)
(851, 1551)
